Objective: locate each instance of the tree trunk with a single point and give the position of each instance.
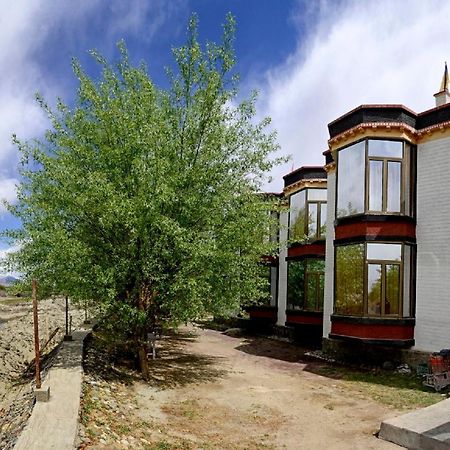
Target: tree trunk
(143, 361)
(142, 348)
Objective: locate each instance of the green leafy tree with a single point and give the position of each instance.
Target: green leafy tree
(143, 200)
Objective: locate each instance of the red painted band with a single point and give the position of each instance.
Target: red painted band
(401, 332)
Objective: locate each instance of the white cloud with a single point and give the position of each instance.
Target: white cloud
(354, 53)
(25, 27)
(142, 17)
(7, 191)
(17, 109)
(3, 254)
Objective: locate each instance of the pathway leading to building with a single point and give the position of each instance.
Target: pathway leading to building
(53, 424)
(210, 390)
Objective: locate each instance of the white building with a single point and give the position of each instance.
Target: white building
(388, 240)
(387, 221)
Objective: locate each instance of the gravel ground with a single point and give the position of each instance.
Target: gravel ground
(212, 391)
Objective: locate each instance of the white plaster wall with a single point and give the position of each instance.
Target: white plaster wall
(282, 269)
(432, 331)
(329, 255)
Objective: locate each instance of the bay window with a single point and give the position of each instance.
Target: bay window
(308, 214)
(350, 188)
(269, 278)
(374, 177)
(374, 279)
(306, 284)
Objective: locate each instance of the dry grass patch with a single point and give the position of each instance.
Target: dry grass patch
(395, 390)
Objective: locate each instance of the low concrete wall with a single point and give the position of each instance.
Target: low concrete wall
(376, 355)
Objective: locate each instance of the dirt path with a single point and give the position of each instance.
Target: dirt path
(212, 391)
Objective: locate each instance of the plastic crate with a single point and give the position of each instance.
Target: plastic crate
(423, 369)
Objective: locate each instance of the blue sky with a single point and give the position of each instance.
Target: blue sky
(311, 60)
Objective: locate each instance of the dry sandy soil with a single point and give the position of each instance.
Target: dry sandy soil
(212, 391)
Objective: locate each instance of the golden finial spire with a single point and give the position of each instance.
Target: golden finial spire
(445, 81)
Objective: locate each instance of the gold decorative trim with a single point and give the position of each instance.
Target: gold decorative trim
(311, 183)
(374, 128)
(330, 168)
(397, 129)
(434, 132)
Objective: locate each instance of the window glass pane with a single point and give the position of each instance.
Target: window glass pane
(314, 284)
(406, 281)
(350, 188)
(311, 291)
(297, 216)
(323, 219)
(389, 252)
(265, 274)
(349, 287)
(407, 162)
(316, 265)
(393, 149)
(375, 185)
(273, 285)
(317, 194)
(394, 186)
(321, 290)
(312, 219)
(274, 226)
(392, 288)
(296, 284)
(374, 289)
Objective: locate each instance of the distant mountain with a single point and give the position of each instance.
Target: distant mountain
(8, 280)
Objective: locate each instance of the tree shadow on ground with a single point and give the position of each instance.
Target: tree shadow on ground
(47, 361)
(175, 364)
(271, 348)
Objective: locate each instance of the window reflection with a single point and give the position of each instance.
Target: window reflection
(323, 219)
(296, 284)
(379, 188)
(407, 270)
(385, 149)
(306, 284)
(312, 219)
(350, 189)
(392, 287)
(317, 194)
(349, 279)
(394, 186)
(307, 214)
(374, 289)
(375, 185)
(378, 279)
(389, 252)
(266, 276)
(311, 292)
(297, 215)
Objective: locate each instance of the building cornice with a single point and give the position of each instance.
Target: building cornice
(330, 167)
(374, 129)
(433, 132)
(302, 184)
